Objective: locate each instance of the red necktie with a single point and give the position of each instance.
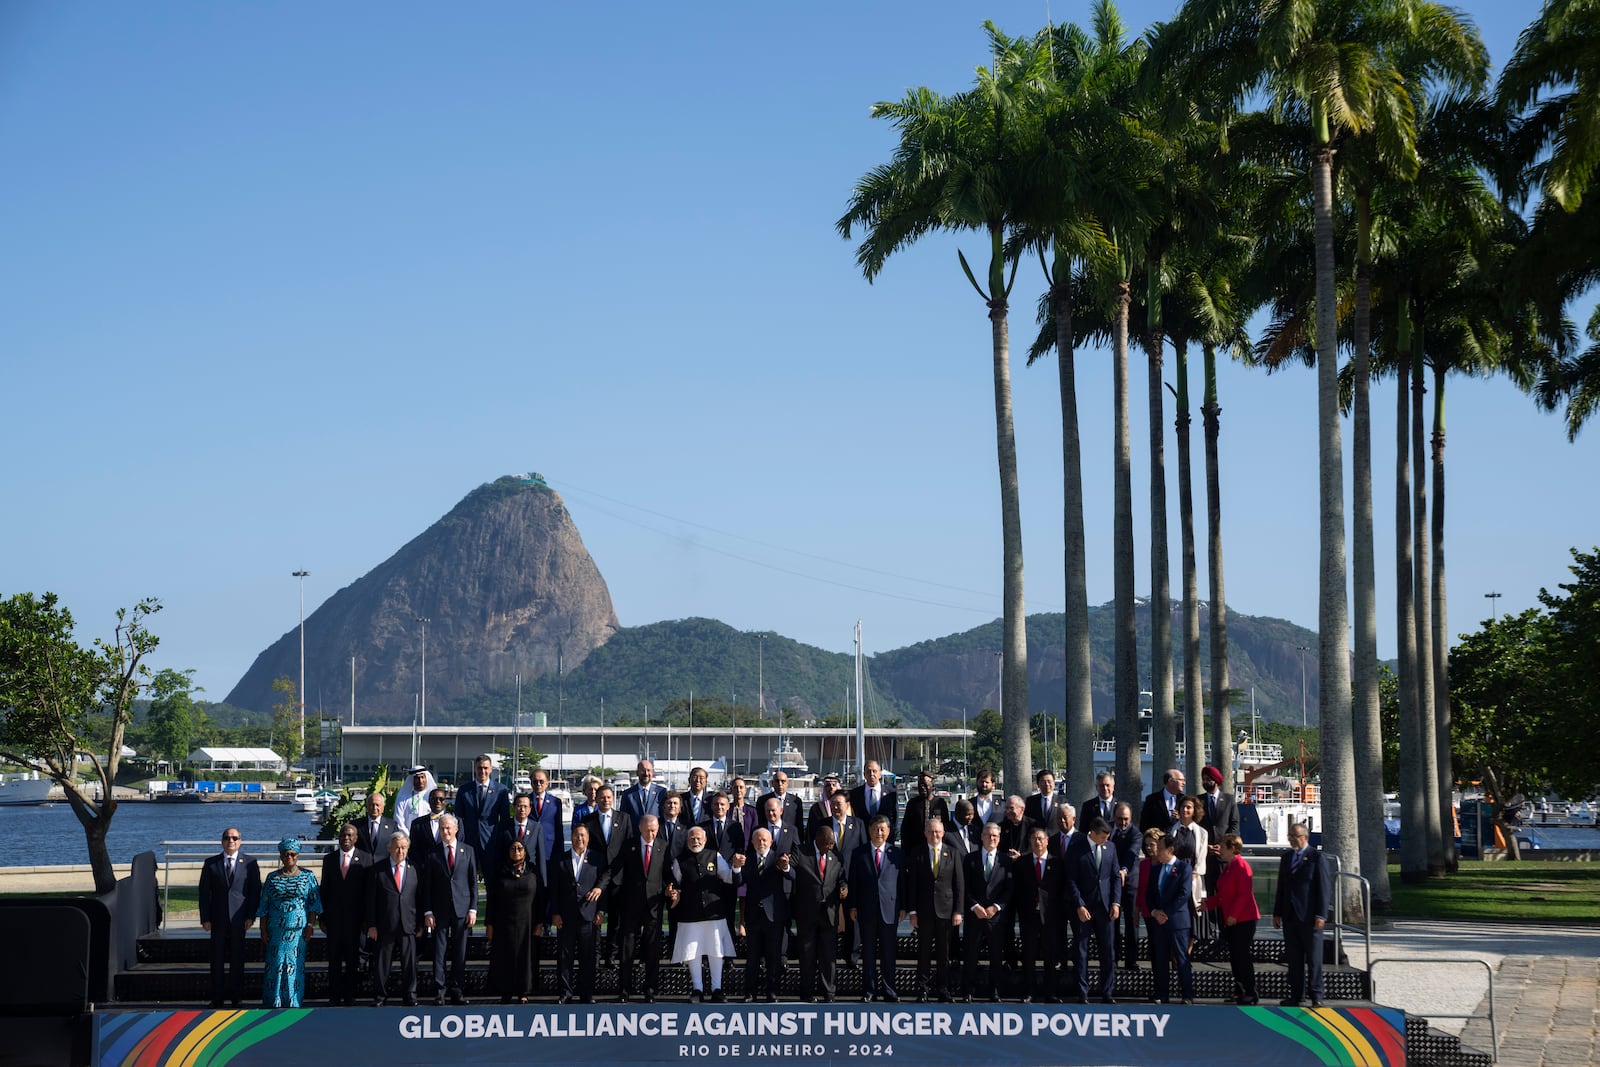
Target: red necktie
(450, 857)
(879, 854)
(538, 806)
(647, 857)
(822, 866)
(399, 875)
(344, 864)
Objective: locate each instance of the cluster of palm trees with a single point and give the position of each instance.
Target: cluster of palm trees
(1340, 170)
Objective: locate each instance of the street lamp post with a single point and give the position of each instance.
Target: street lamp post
(424, 621)
(1304, 722)
(1494, 598)
(302, 575)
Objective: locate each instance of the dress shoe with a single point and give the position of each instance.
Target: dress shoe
(769, 999)
(565, 998)
(649, 998)
(457, 997)
(749, 998)
(718, 997)
(1316, 1002)
(410, 1001)
(967, 999)
(586, 1000)
(923, 999)
(892, 997)
(827, 998)
(1289, 1002)
(1246, 1001)
(1025, 999)
(808, 999)
(622, 998)
(1108, 1000)
(696, 997)
(1080, 999)
(994, 998)
(216, 1003)
(866, 998)
(1188, 1000)
(438, 1000)
(944, 998)
(377, 1002)
(522, 1000)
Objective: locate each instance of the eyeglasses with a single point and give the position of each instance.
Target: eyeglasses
(230, 837)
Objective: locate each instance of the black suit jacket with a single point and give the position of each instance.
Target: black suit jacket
(422, 842)
(997, 808)
(644, 888)
(1226, 820)
(1154, 816)
(986, 892)
(782, 842)
(1015, 836)
(394, 911)
(344, 897)
(792, 811)
(222, 903)
(1090, 809)
(729, 841)
(916, 819)
(767, 889)
(1036, 900)
(451, 894)
(567, 894)
(936, 896)
(888, 806)
(1303, 895)
(1033, 807)
(610, 852)
(816, 891)
(376, 848)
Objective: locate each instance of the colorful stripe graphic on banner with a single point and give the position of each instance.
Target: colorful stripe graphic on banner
(189, 1038)
(1353, 1038)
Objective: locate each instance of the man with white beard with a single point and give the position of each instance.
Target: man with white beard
(699, 896)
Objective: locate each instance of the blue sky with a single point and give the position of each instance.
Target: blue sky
(279, 284)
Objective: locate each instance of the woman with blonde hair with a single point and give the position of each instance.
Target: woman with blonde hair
(1235, 902)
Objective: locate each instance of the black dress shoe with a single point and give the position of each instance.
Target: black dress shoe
(827, 998)
(866, 998)
(586, 1000)
(1108, 1000)
(923, 999)
(438, 1000)
(1080, 999)
(718, 997)
(1316, 1002)
(892, 997)
(410, 1001)
(769, 999)
(1025, 999)
(1188, 1000)
(622, 998)
(649, 998)
(216, 1003)
(1289, 1002)
(377, 1002)
(565, 998)
(994, 998)
(457, 997)
(967, 999)
(808, 999)
(696, 997)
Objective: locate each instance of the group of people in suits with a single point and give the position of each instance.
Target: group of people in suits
(652, 873)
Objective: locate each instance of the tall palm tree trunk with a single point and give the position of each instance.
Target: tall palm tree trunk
(1079, 695)
(1163, 726)
(1413, 793)
(1340, 833)
(1441, 639)
(1368, 726)
(1125, 645)
(1422, 581)
(1014, 647)
(1220, 724)
(1193, 681)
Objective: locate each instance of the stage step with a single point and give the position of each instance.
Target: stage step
(1427, 1047)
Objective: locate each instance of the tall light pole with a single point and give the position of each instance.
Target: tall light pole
(302, 575)
(424, 621)
(761, 682)
(1494, 599)
(1304, 723)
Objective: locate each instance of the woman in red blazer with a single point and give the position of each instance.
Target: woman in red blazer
(1236, 900)
(1148, 847)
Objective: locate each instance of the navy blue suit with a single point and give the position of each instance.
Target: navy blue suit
(229, 904)
(1098, 888)
(1040, 902)
(638, 801)
(450, 893)
(1169, 941)
(1303, 897)
(877, 901)
(481, 811)
(395, 915)
(547, 813)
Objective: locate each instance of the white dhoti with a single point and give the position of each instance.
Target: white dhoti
(708, 937)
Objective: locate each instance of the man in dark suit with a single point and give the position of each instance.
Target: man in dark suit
(1129, 843)
(1170, 924)
(230, 893)
(819, 888)
(1037, 892)
(1016, 829)
(519, 826)
(546, 811)
(343, 887)
(670, 828)
(964, 832)
(788, 802)
(877, 896)
(451, 908)
(696, 801)
(768, 876)
(724, 831)
(1063, 830)
(395, 919)
(849, 832)
(938, 894)
(922, 811)
(425, 829)
(643, 893)
(822, 810)
(1094, 884)
(784, 836)
(610, 831)
(643, 797)
(1160, 810)
(373, 831)
(1103, 805)
(987, 805)
(1300, 909)
(481, 806)
(873, 797)
(577, 885)
(1041, 806)
(987, 879)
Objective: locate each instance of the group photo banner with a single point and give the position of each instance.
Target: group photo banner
(926, 1035)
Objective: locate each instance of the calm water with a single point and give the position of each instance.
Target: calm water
(51, 834)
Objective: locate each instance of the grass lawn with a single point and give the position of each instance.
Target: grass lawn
(1503, 891)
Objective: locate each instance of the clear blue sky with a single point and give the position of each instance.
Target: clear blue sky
(279, 284)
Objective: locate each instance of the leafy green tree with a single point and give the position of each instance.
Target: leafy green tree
(286, 721)
(173, 717)
(63, 702)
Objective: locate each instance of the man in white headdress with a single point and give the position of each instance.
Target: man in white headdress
(412, 801)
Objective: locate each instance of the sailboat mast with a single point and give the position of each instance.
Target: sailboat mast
(861, 719)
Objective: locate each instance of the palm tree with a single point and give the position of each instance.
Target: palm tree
(961, 165)
(1559, 51)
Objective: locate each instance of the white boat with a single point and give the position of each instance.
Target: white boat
(29, 788)
(802, 783)
(305, 800)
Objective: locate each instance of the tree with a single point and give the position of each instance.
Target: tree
(286, 721)
(1560, 51)
(961, 165)
(173, 717)
(62, 702)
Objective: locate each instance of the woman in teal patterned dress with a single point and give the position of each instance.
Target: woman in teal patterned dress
(287, 899)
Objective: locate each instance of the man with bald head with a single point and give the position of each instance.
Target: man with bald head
(642, 893)
(768, 876)
(1160, 808)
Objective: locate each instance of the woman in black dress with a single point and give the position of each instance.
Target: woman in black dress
(516, 921)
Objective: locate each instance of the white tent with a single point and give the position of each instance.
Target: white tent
(238, 759)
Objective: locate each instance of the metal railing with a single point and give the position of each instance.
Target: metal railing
(179, 851)
(1494, 1031)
